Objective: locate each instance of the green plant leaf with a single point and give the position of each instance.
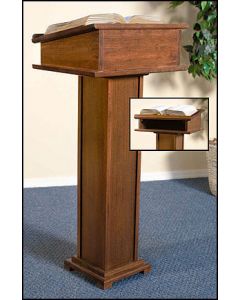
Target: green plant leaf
(206, 68)
(206, 34)
(204, 24)
(199, 15)
(204, 4)
(212, 17)
(203, 51)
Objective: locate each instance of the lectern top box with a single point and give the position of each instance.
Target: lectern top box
(169, 123)
(104, 50)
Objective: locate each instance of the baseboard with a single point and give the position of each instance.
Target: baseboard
(145, 176)
(152, 176)
(49, 181)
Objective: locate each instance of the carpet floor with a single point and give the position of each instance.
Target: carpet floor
(177, 236)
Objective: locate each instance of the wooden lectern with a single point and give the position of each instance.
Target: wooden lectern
(110, 60)
(169, 129)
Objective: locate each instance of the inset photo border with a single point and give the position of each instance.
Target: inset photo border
(169, 124)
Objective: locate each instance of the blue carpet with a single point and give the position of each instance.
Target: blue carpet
(177, 237)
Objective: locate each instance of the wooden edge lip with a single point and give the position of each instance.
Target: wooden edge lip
(141, 26)
(67, 70)
(41, 37)
(153, 130)
(165, 117)
(108, 73)
(87, 72)
(160, 117)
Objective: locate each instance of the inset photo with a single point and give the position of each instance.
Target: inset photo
(169, 124)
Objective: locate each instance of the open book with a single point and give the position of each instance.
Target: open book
(177, 110)
(102, 18)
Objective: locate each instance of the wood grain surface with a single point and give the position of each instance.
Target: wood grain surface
(111, 59)
(110, 73)
(181, 124)
(79, 51)
(140, 48)
(108, 181)
(103, 50)
(169, 142)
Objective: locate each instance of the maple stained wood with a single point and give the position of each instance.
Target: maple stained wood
(79, 170)
(168, 123)
(110, 73)
(108, 182)
(142, 48)
(169, 129)
(170, 142)
(160, 131)
(161, 117)
(110, 60)
(103, 50)
(106, 279)
(79, 51)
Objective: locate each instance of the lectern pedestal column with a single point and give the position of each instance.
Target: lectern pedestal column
(108, 181)
(171, 141)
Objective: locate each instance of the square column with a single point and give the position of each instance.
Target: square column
(108, 181)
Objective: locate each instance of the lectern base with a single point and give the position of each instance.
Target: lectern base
(103, 278)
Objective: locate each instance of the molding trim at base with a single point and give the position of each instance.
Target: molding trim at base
(49, 181)
(145, 176)
(180, 174)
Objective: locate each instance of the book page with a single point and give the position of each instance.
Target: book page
(105, 18)
(181, 110)
(159, 109)
(66, 25)
(91, 19)
(141, 19)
